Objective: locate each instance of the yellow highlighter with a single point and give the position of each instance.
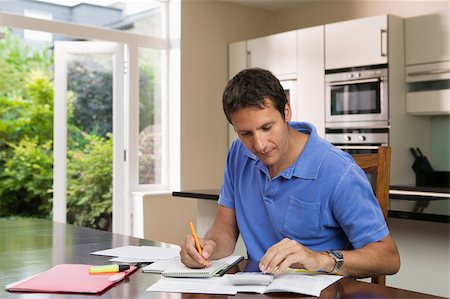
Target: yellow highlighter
(197, 243)
(108, 268)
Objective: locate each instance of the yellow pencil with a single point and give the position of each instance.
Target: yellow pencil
(197, 243)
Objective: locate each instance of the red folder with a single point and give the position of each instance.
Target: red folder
(67, 278)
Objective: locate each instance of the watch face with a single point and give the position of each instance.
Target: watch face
(339, 258)
(337, 254)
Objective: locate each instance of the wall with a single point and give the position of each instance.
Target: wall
(207, 29)
(440, 156)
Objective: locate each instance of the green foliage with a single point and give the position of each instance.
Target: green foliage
(91, 83)
(18, 58)
(27, 179)
(146, 96)
(90, 183)
(26, 131)
(26, 143)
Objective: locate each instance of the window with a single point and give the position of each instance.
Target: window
(141, 153)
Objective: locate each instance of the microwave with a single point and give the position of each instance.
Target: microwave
(357, 98)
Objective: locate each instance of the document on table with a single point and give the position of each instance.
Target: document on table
(301, 283)
(140, 253)
(175, 268)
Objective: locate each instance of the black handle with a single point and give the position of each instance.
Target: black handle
(420, 152)
(414, 153)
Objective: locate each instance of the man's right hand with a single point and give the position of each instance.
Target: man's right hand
(191, 257)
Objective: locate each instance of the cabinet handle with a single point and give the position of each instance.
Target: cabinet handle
(383, 33)
(432, 72)
(356, 147)
(347, 82)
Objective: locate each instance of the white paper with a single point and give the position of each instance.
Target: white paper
(141, 253)
(306, 284)
(161, 266)
(213, 285)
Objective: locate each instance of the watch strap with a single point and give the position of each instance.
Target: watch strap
(338, 258)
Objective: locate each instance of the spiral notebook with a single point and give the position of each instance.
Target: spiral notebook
(218, 268)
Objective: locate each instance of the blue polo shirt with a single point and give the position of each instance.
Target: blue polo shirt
(323, 201)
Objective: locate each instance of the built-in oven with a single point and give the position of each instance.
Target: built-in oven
(358, 141)
(357, 97)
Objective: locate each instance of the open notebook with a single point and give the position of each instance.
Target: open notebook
(218, 268)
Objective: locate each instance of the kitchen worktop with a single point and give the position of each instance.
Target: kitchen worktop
(407, 202)
(420, 203)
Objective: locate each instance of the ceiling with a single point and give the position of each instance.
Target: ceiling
(271, 5)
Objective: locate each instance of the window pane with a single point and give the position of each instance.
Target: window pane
(89, 139)
(150, 124)
(143, 17)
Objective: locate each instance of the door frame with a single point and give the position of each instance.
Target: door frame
(62, 49)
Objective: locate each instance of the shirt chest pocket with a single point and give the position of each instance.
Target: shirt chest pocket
(302, 219)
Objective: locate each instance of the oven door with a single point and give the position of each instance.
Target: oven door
(357, 103)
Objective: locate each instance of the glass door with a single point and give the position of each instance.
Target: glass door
(89, 134)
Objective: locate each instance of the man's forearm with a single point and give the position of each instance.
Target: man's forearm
(225, 242)
(374, 259)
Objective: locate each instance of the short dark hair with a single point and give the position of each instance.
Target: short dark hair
(250, 88)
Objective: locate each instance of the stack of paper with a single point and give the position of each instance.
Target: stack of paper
(135, 254)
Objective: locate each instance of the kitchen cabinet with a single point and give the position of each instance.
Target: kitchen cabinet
(277, 53)
(427, 38)
(311, 77)
(357, 42)
(428, 91)
(237, 58)
(427, 56)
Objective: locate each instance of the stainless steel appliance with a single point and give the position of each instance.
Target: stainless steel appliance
(357, 97)
(358, 141)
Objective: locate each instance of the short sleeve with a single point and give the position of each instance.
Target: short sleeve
(226, 194)
(356, 209)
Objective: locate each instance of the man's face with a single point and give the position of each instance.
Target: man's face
(264, 132)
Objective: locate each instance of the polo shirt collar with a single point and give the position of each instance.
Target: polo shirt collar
(309, 162)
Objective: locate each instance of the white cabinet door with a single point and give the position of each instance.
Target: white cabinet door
(427, 38)
(311, 78)
(237, 58)
(277, 53)
(357, 42)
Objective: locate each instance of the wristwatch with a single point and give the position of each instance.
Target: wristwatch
(338, 258)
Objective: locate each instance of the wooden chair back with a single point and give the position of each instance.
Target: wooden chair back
(378, 164)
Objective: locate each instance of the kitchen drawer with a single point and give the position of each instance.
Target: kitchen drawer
(433, 102)
(428, 72)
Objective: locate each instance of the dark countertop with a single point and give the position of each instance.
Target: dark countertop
(406, 202)
(420, 203)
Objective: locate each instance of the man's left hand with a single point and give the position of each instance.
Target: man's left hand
(290, 253)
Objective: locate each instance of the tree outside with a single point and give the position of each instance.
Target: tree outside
(26, 139)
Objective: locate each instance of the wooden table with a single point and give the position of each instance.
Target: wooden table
(30, 246)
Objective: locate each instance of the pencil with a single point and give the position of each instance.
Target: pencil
(197, 243)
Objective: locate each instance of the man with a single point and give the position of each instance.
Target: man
(296, 199)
